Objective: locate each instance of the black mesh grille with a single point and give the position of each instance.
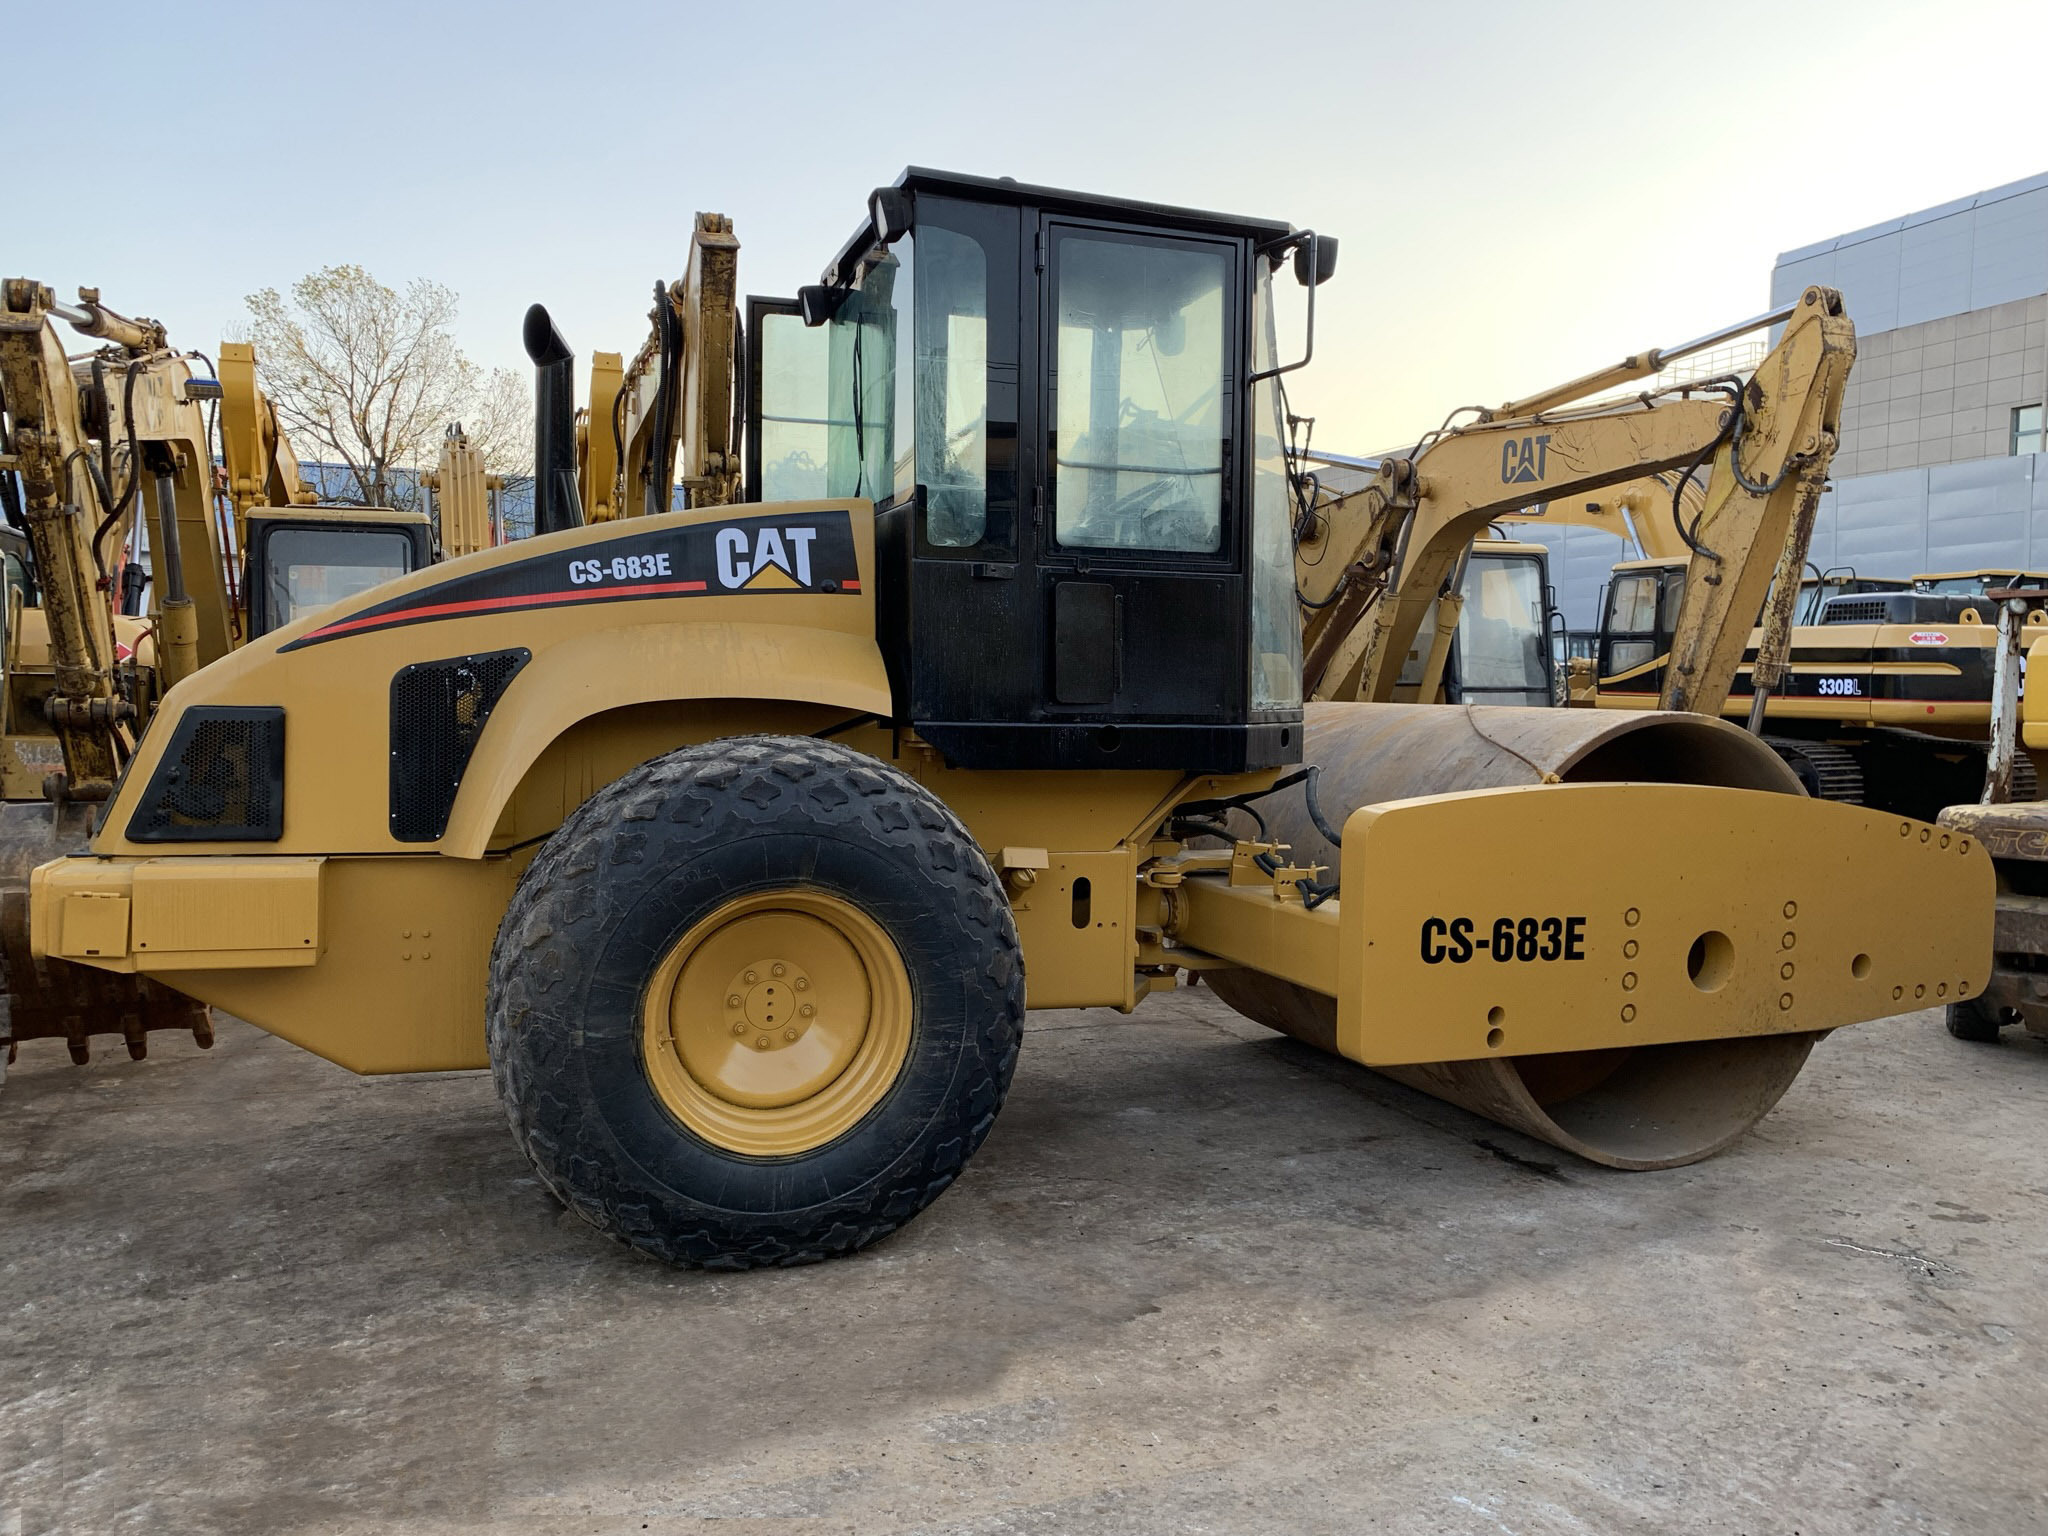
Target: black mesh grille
(220, 780)
(438, 711)
(1854, 610)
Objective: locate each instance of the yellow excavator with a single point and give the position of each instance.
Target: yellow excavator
(1885, 694)
(132, 562)
(737, 839)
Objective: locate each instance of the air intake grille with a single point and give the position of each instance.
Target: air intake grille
(221, 780)
(1854, 610)
(438, 712)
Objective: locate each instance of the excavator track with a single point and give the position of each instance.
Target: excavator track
(1828, 772)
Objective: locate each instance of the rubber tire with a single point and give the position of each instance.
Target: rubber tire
(626, 876)
(1978, 1022)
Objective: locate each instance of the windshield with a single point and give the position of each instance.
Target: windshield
(861, 385)
(1138, 448)
(795, 361)
(873, 405)
(309, 568)
(1965, 586)
(1632, 605)
(1500, 631)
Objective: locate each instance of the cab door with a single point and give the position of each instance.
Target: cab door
(1140, 529)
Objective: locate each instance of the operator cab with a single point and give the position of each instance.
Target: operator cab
(1500, 652)
(301, 559)
(1639, 614)
(1065, 409)
(1638, 620)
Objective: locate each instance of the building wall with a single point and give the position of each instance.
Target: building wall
(1943, 391)
(1975, 253)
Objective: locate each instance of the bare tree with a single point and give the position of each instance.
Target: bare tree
(369, 377)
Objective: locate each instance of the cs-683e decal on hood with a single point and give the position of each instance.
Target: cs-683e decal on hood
(800, 552)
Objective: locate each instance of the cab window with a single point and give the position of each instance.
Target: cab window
(306, 569)
(862, 387)
(951, 428)
(1501, 640)
(792, 432)
(1141, 355)
(1632, 605)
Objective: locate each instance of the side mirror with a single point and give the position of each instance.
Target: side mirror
(1315, 261)
(1322, 249)
(889, 210)
(817, 304)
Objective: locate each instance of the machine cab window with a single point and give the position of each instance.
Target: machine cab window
(304, 559)
(1140, 385)
(1640, 618)
(1063, 411)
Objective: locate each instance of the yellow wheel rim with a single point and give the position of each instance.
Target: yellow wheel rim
(777, 1022)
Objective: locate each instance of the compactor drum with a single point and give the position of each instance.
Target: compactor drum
(1625, 1105)
(736, 840)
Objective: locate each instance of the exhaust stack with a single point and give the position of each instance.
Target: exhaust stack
(556, 505)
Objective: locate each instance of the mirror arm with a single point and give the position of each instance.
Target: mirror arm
(1309, 344)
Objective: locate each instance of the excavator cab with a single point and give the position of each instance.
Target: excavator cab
(1638, 620)
(1500, 649)
(303, 559)
(1066, 411)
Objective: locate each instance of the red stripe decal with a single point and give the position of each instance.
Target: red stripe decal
(488, 604)
(851, 586)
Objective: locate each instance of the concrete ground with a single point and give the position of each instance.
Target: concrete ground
(1201, 1279)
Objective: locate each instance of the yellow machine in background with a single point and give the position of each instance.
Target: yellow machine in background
(736, 840)
(1881, 693)
(1884, 693)
(1371, 564)
(676, 397)
(464, 494)
(109, 459)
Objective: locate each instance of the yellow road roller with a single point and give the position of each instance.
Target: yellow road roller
(736, 840)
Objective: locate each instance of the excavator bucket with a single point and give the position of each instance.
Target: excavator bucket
(51, 999)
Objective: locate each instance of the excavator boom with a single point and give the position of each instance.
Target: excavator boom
(1370, 564)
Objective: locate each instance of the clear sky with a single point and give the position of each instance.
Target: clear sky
(1523, 191)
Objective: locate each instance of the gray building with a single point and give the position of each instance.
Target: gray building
(1941, 464)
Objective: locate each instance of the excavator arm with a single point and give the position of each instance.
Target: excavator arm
(97, 445)
(667, 417)
(1369, 564)
(1639, 513)
(48, 449)
(463, 490)
(262, 470)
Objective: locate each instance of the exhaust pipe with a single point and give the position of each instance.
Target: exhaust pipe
(556, 506)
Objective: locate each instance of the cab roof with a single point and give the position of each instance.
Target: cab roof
(1007, 189)
(390, 515)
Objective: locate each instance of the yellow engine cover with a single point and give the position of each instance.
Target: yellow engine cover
(1573, 917)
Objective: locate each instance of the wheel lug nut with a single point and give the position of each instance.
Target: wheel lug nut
(733, 1001)
(789, 1034)
(762, 1044)
(806, 1011)
(751, 977)
(779, 969)
(739, 1029)
(802, 982)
